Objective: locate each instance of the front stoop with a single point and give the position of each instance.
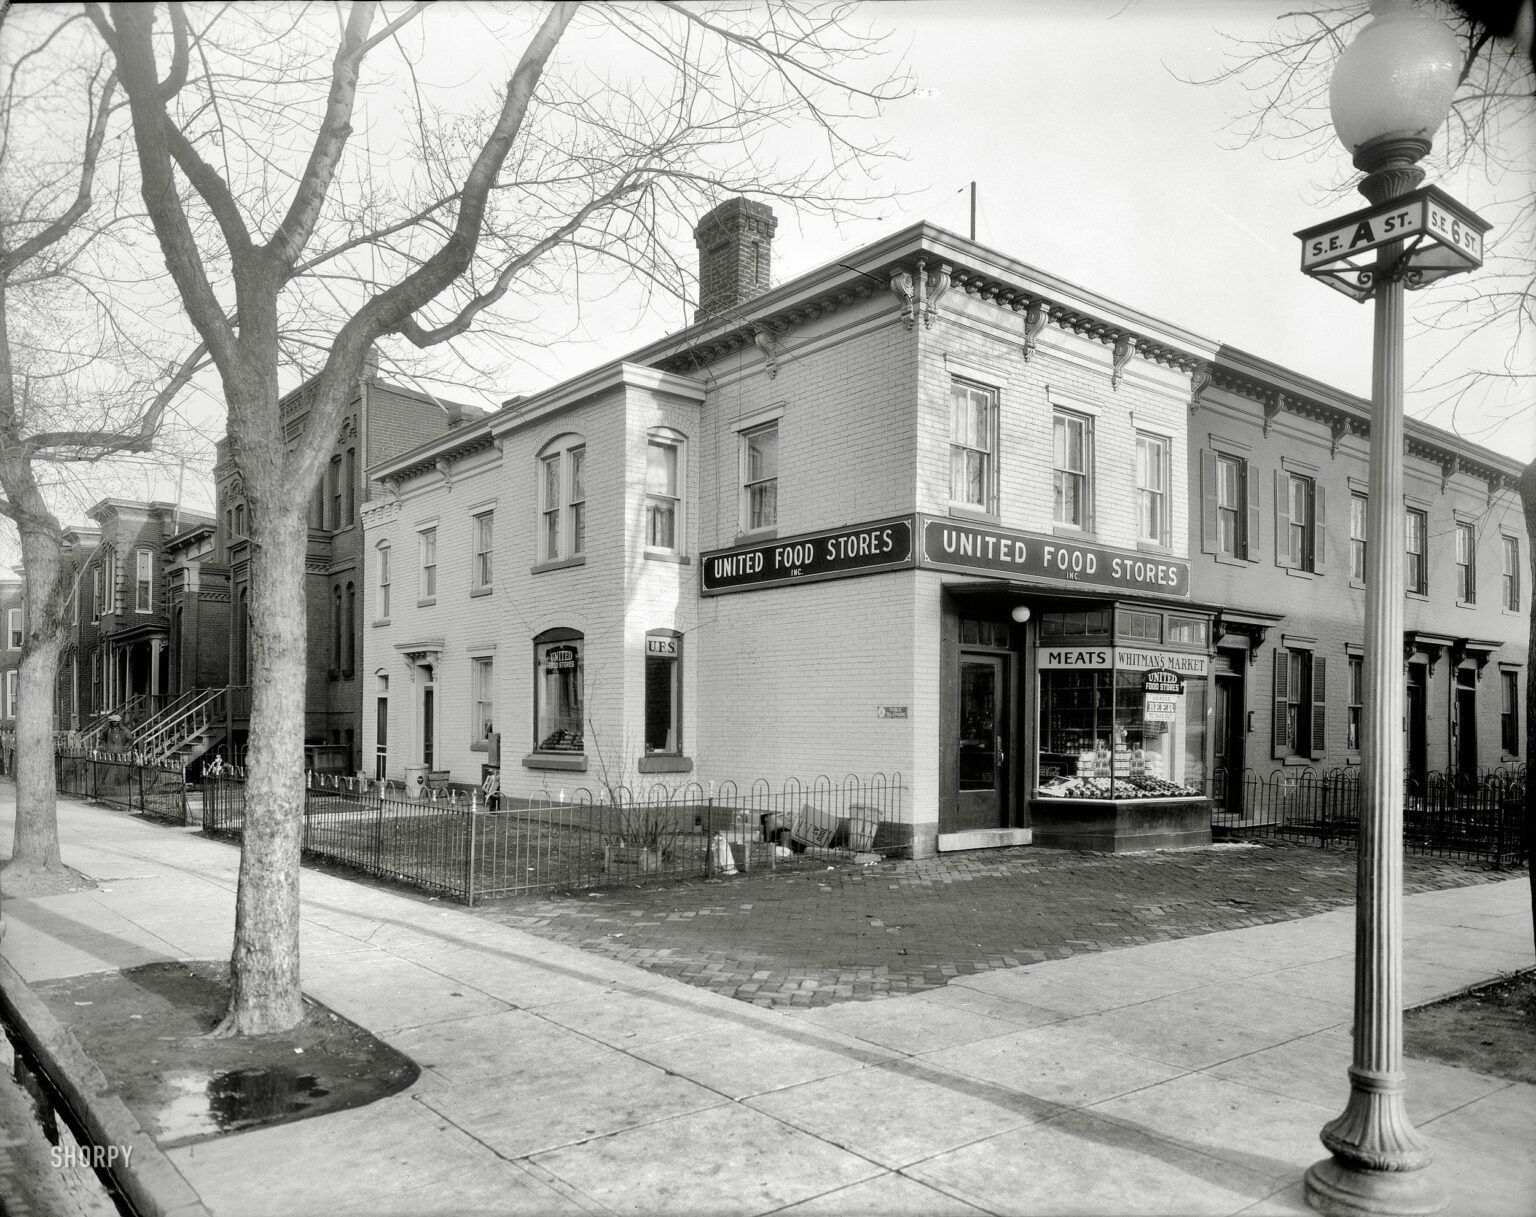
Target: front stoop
(984, 838)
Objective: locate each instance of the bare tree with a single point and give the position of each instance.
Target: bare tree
(1490, 129)
(57, 407)
(296, 244)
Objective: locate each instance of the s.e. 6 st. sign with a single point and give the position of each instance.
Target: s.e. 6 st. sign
(1439, 236)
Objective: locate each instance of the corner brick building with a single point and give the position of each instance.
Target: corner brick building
(951, 519)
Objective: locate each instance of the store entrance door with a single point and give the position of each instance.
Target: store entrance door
(981, 800)
(1231, 736)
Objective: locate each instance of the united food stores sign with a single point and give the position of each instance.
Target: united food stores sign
(883, 545)
(861, 549)
(978, 549)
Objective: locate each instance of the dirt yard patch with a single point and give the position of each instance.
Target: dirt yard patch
(147, 1028)
(1490, 1029)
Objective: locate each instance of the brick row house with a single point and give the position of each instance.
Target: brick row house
(13, 622)
(943, 515)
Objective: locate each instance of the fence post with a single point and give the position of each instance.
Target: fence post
(469, 857)
(378, 836)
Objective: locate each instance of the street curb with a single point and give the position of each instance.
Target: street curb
(148, 1178)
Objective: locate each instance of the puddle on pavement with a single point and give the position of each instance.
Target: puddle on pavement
(203, 1105)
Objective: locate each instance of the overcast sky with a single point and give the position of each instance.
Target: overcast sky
(1092, 161)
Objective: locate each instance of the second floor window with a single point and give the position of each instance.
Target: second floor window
(428, 546)
(383, 581)
(484, 549)
(144, 582)
(760, 477)
(972, 444)
(663, 496)
(563, 501)
(13, 629)
(1511, 574)
(1072, 469)
(1152, 489)
(1416, 568)
(1358, 505)
(1298, 523)
(1229, 522)
(1466, 563)
(96, 595)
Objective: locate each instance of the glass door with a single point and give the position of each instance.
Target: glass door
(980, 748)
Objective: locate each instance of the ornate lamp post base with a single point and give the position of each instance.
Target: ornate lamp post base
(1346, 1191)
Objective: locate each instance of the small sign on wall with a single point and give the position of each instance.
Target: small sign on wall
(890, 712)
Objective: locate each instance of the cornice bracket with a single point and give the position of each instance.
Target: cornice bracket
(762, 338)
(1199, 381)
(1448, 470)
(1273, 404)
(1125, 347)
(1035, 317)
(444, 468)
(901, 287)
(936, 290)
(1337, 430)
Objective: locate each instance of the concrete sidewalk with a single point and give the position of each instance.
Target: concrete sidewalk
(1189, 1076)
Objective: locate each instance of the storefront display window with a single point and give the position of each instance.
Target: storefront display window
(1121, 720)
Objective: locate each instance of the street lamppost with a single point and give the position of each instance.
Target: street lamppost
(1391, 90)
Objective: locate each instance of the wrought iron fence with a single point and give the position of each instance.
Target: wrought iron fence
(123, 779)
(472, 850)
(1477, 816)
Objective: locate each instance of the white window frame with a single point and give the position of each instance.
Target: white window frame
(382, 575)
(562, 475)
(144, 581)
(1359, 527)
(545, 722)
(1238, 510)
(426, 564)
(1466, 561)
(664, 653)
(482, 710)
(979, 442)
(13, 629)
(10, 692)
(1301, 513)
(1509, 579)
(483, 538)
(109, 577)
(659, 500)
(1060, 417)
(1157, 495)
(749, 484)
(1420, 586)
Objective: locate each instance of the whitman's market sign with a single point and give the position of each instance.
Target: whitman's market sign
(861, 549)
(978, 549)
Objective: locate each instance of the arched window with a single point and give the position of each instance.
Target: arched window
(558, 721)
(562, 499)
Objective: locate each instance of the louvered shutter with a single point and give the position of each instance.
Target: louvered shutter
(1283, 555)
(1208, 528)
(1277, 729)
(1319, 706)
(1319, 527)
(1251, 537)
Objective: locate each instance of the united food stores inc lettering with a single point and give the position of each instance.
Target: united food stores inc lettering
(861, 549)
(972, 547)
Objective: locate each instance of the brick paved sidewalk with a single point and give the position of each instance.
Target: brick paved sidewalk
(812, 938)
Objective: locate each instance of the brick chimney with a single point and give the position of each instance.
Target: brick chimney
(735, 243)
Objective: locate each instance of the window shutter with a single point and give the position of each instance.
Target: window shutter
(1319, 706)
(1251, 537)
(1277, 729)
(1283, 555)
(1319, 528)
(1207, 501)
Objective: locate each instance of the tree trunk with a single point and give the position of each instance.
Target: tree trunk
(1527, 487)
(264, 971)
(35, 867)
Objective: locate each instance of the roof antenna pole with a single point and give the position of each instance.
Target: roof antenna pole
(973, 211)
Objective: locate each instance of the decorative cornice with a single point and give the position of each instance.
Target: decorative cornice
(1037, 313)
(1199, 381)
(1125, 344)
